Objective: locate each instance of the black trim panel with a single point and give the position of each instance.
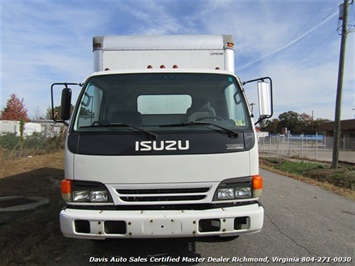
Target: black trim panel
(131, 143)
(163, 207)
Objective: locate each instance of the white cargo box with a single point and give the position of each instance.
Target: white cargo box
(182, 51)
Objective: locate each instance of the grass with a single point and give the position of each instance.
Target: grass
(340, 181)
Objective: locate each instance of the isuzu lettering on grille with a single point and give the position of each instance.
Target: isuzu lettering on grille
(163, 145)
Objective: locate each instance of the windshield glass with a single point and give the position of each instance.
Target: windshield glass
(158, 101)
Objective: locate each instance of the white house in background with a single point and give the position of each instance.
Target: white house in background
(261, 134)
(9, 126)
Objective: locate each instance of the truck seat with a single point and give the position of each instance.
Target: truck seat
(204, 111)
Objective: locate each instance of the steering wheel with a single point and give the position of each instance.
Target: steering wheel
(96, 123)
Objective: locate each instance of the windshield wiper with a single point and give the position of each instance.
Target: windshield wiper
(145, 132)
(231, 133)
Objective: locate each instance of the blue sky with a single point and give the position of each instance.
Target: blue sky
(296, 43)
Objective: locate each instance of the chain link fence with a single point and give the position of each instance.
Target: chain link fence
(316, 147)
(36, 138)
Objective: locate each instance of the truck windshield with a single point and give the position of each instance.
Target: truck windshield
(161, 102)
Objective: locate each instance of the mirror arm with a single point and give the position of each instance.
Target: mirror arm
(258, 79)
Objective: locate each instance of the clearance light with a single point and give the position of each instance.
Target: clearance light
(162, 66)
(217, 68)
(175, 66)
(149, 66)
(230, 45)
(107, 69)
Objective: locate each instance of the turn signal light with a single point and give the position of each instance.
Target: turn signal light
(257, 181)
(65, 189)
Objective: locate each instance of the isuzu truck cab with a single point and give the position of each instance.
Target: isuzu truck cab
(161, 142)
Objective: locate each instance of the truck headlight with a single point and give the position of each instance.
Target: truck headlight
(242, 192)
(90, 196)
(239, 188)
(225, 193)
(234, 193)
(98, 196)
(84, 191)
(81, 195)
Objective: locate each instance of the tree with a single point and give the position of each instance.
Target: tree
(272, 126)
(307, 123)
(56, 113)
(291, 121)
(14, 110)
(57, 110)
(37, 113)
(294, 122)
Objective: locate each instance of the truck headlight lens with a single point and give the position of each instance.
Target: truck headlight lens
(225, 193)
(234, 193)
(242, 192)
(98, 196)
(90, 196)
(81, 195)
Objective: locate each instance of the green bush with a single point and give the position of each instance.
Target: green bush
(36, 143)
(54, 143)
(8, 141)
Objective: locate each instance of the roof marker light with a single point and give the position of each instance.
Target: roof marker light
(107, 69)
(162, 66)
(217, 68)
(175, 66)
(149, 66)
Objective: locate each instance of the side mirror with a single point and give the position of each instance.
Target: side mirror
(65, 104)
(264, 95)
(265, 98)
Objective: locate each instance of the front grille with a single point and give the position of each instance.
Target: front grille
(163, 195)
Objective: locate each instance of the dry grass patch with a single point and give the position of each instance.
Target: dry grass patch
(340, 181)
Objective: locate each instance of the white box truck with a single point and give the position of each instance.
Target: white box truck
(161, 142)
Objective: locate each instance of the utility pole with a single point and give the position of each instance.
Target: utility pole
(337, 129)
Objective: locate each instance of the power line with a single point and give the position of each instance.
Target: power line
(288, 45)
(308, 21)
(311, 51)
(294, 35)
